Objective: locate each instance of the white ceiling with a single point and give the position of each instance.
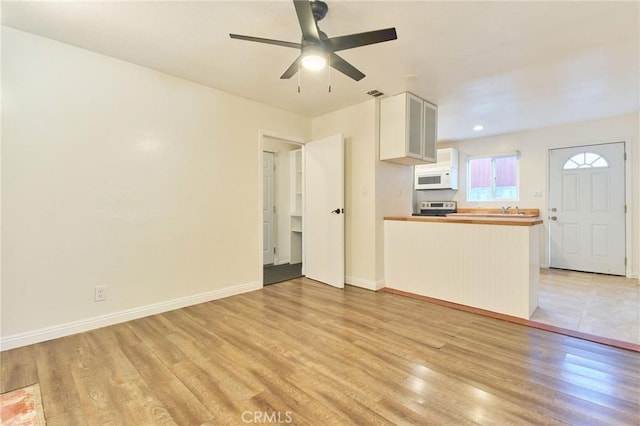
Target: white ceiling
(510, 66)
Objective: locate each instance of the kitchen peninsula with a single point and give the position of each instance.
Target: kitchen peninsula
(489, 262)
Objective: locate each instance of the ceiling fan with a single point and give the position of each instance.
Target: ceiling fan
(316, 49)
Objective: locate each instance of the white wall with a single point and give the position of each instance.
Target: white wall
(534, 146)
(117, 175)
(394, 191)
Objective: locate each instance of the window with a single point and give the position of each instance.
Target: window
(585, 160)
(492, 178)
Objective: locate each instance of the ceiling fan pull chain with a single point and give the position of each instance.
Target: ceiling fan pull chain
(299, 75)
(329, 68)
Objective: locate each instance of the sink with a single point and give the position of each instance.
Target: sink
(511, 215)
(506, 215)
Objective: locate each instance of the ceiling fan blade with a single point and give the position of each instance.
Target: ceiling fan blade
(336, 44)
(307, 21)
(345, 67)
(267, 41)
(292, 70)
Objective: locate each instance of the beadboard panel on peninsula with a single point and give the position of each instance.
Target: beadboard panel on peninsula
(488, 266)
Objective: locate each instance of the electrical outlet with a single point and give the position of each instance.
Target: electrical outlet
(100, 294)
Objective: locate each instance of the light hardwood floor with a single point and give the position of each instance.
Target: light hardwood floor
(307, 353)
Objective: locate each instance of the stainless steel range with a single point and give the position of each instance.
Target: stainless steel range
(436, 208)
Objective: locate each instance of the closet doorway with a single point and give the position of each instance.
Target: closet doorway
(282, 210)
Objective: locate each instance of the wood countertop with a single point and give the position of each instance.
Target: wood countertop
(516, 221)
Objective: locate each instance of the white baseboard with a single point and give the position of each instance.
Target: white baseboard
(61, 330)
(359, 282)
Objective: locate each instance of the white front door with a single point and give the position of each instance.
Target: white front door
(587, 208)
(268, 173)
(324, 211)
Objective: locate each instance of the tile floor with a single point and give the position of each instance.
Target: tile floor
(601, 305)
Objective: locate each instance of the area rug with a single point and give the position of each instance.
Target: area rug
(22, 407)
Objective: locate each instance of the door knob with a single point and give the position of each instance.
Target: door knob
(554, 218)
(554, 209)
(337, 211)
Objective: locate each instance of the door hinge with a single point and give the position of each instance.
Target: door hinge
(625, 156)
(625, 208)
(625, 261)
(274, 208)
(274, 250)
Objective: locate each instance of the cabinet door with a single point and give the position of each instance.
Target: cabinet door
(430, 129)
(415, 126)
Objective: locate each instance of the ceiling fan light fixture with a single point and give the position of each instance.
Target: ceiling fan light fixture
(317, 50)
(314, 61)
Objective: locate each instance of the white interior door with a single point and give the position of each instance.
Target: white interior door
(587, 208)
(268, 174)
(324, 211)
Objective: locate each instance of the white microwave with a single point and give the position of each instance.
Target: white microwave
(429, 177)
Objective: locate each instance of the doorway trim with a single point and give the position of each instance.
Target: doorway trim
(262, 134)
(627, 197)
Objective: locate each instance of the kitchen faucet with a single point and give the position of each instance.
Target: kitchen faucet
(505, 210)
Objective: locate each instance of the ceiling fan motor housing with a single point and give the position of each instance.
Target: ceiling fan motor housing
(319, 9)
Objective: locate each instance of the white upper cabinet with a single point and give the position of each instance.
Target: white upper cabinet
(408, 129)
(430, 126)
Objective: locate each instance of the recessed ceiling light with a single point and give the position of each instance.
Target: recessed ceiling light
(478, 127)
